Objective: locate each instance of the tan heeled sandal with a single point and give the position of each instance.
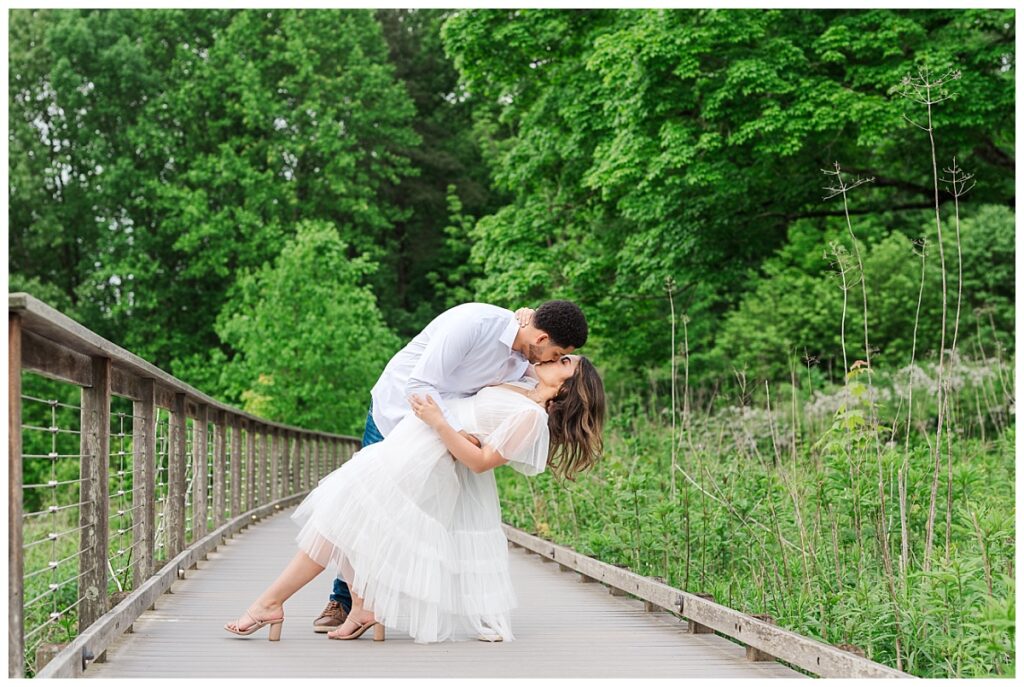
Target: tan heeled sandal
(276, 624)
(378, 631)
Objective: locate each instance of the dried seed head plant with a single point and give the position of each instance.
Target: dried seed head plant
(841, 187)
(928, 91)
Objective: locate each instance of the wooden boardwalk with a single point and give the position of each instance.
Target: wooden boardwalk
(563, 629)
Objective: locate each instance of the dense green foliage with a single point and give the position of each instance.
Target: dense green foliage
(158, 155)
(268, 203)
(795, 307)
(645, 145)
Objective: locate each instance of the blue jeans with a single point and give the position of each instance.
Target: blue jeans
(341, 594)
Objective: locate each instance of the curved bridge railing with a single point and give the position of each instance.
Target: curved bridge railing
(120, 477)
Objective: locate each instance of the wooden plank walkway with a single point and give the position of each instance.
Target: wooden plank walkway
(563, 628)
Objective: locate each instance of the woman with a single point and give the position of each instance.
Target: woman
(413, 522)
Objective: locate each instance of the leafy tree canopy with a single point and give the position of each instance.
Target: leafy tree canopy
(652, 144)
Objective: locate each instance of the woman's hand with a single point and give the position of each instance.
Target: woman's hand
(427, 410)
(524, 316)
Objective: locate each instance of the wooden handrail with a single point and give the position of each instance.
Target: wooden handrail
(809, 654)
(47, 342)
(77, 344)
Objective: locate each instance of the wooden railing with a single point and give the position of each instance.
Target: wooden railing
(763, 640)
(190, 471)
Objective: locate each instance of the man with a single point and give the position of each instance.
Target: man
(462, 350)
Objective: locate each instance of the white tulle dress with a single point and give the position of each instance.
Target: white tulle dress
(416, 533)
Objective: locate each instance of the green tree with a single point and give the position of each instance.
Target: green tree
(451, 186)
(795, 309)
(309, 336)
(196, 140)
(78, 81)
(644, 144)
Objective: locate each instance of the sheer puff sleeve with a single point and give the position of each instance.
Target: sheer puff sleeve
(522, 440)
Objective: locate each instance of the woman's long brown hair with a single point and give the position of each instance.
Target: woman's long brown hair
(576, 421)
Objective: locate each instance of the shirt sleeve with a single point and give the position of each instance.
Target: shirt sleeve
(442, 354)
(522, 439)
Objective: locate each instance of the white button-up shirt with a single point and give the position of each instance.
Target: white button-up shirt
(461, 351)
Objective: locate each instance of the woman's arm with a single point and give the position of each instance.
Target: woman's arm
(473, 457)
(476, 459)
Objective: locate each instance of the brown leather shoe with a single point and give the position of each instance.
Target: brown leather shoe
(331, 617)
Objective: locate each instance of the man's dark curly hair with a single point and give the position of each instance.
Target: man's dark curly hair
(563, 321)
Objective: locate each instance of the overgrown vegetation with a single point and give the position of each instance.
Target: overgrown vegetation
(778, 511)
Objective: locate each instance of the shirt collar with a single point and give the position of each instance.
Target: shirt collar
(508, 335)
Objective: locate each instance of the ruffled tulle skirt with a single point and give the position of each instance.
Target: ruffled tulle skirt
(417, 535)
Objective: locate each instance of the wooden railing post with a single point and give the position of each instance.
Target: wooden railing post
(281, 458)
(200, 451)
(93, 489)
(288, 469)
(697, 628)
(15, 541)
(250, 465)
(307, 455)
(756, 654)
(176, 479)
(296, 462)
(303, 464)
(263, 479)
(144, 480)
(319, 459)
(236, 466)
(284, 482)
(219, 465)
(276, 439)
(317, 462)
(314, 460)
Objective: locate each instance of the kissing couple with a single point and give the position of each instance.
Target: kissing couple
(412, 521)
